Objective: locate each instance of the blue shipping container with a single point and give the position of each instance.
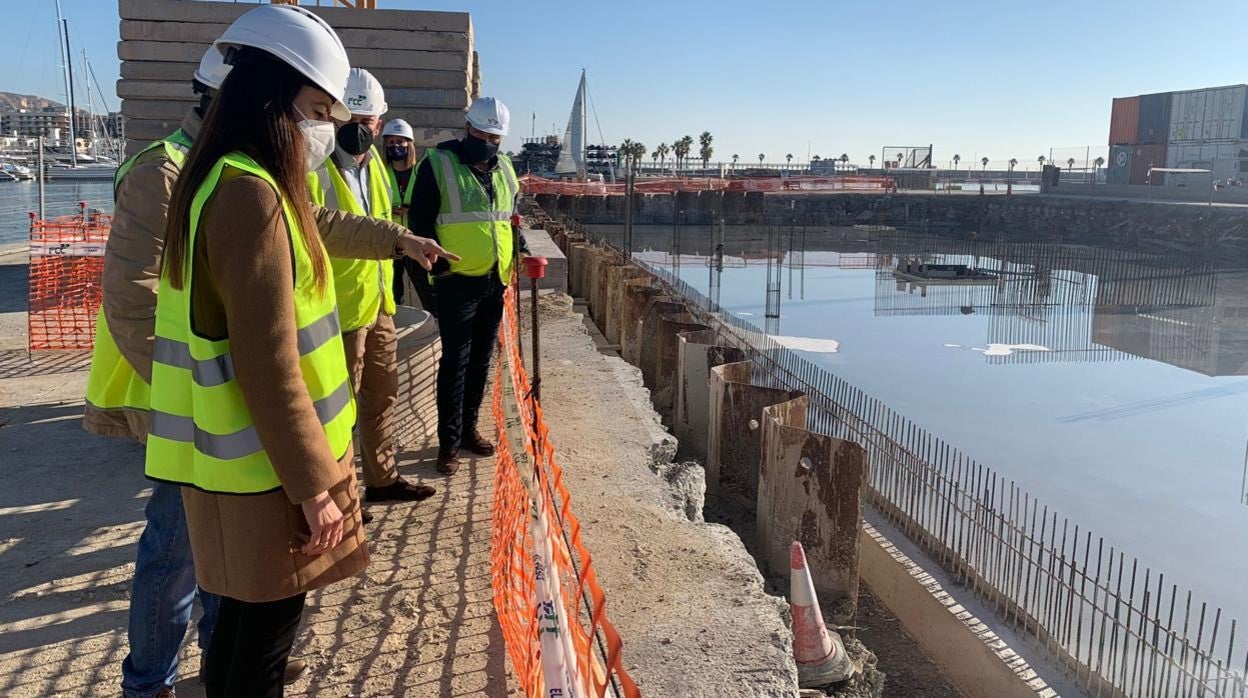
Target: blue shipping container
(1119, 165)
(1154, 125)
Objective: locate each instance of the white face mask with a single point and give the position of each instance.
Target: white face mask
(318, 140)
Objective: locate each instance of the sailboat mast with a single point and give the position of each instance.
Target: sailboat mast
(69, 82)
(86, 67)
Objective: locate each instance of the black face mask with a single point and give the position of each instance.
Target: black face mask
(355, 138)
(478, 150)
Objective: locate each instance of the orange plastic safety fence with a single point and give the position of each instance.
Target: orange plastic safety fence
(66, 263)
(532, 184)
(512, 560)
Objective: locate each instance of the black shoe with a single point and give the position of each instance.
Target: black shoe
(365, 517)
(398, 491)
(478, 445)
(448, 461)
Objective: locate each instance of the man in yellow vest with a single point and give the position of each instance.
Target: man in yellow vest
(354, 180)
(464, 196)
(117, 400)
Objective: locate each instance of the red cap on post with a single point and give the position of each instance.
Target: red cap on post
(535, 267)
(517, 220)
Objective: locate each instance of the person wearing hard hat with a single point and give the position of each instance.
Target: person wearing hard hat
(249, 409)
(464, 196)
(399, 142)
(354, 180)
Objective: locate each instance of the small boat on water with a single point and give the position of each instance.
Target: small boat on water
(90, 171)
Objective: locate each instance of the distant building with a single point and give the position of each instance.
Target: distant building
(47, 122)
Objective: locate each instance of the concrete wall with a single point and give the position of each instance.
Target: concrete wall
(424, 60)
(1065, 218)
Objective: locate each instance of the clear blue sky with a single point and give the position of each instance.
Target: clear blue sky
(1005, 79)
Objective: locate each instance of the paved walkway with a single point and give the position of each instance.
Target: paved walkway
(419, 622)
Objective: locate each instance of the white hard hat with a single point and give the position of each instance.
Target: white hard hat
(364, 94)
(398, 127)
(490, 115)
(212, 69)
(301, 40)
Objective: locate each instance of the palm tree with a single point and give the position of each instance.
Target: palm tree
(1009, 184)
(1070, 163)
(815, 158)
(1099, 162)
(705, 151)
(984, 161)
(760, 158)
(682, 147)
(872, 160)
(899, 157)
(654, 157)
(956, 159)
(664, 150)
(1041, 160)
(735, 157)
(844, 159)
(626, 151)
(788, 159)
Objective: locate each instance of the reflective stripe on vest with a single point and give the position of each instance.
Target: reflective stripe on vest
(200, 431)
(112, 383)
(365, 286)
(470, 225)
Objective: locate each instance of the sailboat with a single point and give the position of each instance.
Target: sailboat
(96, 168)
(572, 151)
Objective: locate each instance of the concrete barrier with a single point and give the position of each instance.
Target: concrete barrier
(638, 295)
(647, 338)
(810, 489)
(979, 663)
(617, 277)
(734, 436)
(416, 413)
(697, 355)
(667, 359)
(541, 245)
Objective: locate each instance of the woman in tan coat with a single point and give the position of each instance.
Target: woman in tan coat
(251, 409)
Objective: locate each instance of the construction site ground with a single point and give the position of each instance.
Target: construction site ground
(686, 596)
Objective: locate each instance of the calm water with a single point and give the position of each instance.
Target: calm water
(1113, 386)
(19, 199)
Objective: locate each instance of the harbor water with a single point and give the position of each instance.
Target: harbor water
(19, 199)
(1112, 385)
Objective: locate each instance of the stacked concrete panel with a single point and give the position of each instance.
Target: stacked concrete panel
(423, 59)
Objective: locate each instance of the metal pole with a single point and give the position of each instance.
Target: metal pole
(42, 211)
(537, 347)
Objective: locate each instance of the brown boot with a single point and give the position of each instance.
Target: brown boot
(399, 491)
(478, 445)
(448, 461)
(294, 669)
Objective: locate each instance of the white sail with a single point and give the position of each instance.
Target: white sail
(572, 151)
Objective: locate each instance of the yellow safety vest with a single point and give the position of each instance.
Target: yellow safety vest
(403, 198)
(113, 384)
(469, 224)
(365, 286)
(200, 431)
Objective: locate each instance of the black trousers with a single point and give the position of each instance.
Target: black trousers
(420, 281)
(249, 648)
(469, 311)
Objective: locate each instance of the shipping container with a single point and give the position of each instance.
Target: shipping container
(1119, 164)
(1227, 159)
(1145, 157)
(1124, 120)
(1209, 115)
(1154, 124)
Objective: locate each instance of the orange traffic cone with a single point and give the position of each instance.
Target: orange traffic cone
(820, 654)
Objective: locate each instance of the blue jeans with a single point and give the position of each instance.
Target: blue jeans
(161, 598)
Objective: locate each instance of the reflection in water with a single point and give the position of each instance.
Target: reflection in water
(1123, 408)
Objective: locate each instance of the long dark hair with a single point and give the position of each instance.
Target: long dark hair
(253, 112)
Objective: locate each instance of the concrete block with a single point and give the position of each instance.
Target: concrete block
(420, 348)
(416, 97)
(734, 436)
(541, 245)
(145, 70)
(648, 332)
(206, 33)
(419, 77)
(975, 668)
(667, 359)
(430, 118)
(810, 489)
(163, 51)
(176, 91)
(337, 17)
(153, 109)
(698, 354)
(638, 295)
